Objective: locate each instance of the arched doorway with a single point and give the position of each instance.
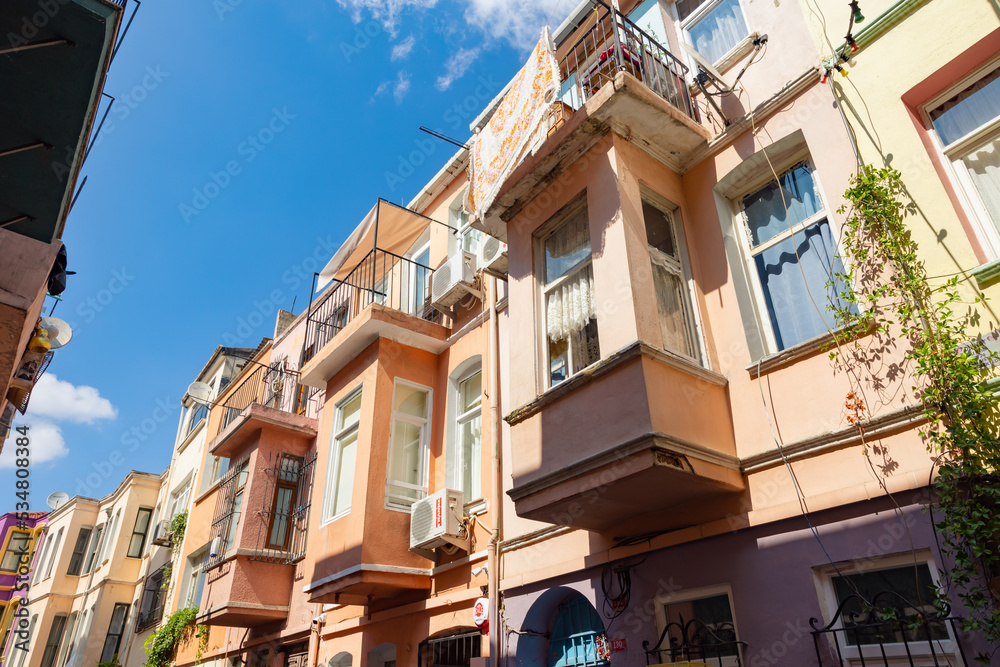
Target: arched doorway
(578, 638)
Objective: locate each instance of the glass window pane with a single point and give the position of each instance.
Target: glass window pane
(410, 400)
(765, 209)
(971, 108)
(707, 621)
(810, 253)
(567, 246)
(983, 166)
(282, 510)
(659, 230)
(350, 413)
(470, 392)
(405, 463)
(471, 473)
(721, 29)
(345, 474)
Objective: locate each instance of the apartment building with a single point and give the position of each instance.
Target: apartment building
(23, 537)
(81, 593)
(55, 60)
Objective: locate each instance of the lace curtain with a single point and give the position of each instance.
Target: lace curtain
(570, 307)
(984, 170)
(720, 30)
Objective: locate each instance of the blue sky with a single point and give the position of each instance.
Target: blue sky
(246, 141)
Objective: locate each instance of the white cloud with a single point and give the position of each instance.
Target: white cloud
(61, 400)
(520, 22)
(382, 87)
(456, 67)
(46, 442)
(404, 48)
(386, 12)
(402, 87)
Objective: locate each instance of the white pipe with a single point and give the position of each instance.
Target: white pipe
(493, 573)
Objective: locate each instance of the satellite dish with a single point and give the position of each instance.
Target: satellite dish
(706, 66)
(57, 499)
(59, 332)
(200, 392)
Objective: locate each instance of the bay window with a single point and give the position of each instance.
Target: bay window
(571, 342)
(343, 458)
(408, 445)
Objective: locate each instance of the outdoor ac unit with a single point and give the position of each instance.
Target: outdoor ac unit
(454, 279)
(161, 534)
(495, 257)
(437, 521)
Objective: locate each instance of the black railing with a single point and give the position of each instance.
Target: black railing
(888, 630)
(615, 44)
(271, 386)
(381, 278)
(696, 641)
(455, 651)
(154, 598)
(283, 525)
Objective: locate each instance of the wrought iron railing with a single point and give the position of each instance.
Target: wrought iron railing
(271, 386)
(888, 630)
(381, 277)
(456, 650)
(696, 641)
(154, 598)
(228, 509)
(616, 44)
(283, 525)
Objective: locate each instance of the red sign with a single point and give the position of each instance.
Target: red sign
(618, 645)
(438, 503)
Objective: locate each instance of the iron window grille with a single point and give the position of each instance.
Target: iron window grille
(154, 596)
(283, 523)
(453, 651)
(228, 505)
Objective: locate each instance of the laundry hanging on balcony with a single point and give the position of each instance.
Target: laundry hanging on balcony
(498, 147)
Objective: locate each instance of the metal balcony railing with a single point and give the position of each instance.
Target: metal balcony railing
(381, 277)
(616, 44)
(271, 386)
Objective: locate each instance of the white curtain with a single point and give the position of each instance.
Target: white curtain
(571, 305)
(721, 30)
(984, 170)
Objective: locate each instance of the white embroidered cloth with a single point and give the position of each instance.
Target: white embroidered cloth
(497, 149)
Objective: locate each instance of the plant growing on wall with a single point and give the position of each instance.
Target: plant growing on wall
(161, 646)
(897, 303)
(177, 527)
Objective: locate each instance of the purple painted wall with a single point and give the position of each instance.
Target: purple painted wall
(770, 570)
(8, 522)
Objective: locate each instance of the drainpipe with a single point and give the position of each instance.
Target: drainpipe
(315, 637)
(493, 570)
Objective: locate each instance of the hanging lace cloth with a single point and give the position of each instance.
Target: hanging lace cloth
(571, 305)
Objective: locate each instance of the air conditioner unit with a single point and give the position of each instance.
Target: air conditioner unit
(454, 280)
(495, 257)
(437, 521)
(161, 534)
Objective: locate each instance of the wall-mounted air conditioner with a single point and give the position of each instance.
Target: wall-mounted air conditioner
(161, 534)
(495, 257)
(454, 280)
(438, 521)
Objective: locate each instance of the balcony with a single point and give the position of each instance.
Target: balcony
(268, 397)
(642, 440)
(615, 78)
(384, 295)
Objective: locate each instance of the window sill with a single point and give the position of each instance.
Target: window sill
(987, 274)
(797, 353)
(726, 62)
(335, 517)
(477, 507)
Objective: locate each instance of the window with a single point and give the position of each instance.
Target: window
(196, 578)
(383, 655)
(578, 637)
(714, 27)
(468, 430)
(53, 641)
(67, 645)
(408, 446)
(113, 640)
(568, 296)
(228, 507)
(53, 554)
(151, 602)
(79, 550)
(794, 256)
(699, 626)
(107, 549)
(46, 548)
(456, 649)
(17, 546)
(95, 544)
(179, 498)
(343, 458)
(196, 413)
(469, 238)
(673, 296)
(285, 491)
(420, 281)
(139, 532)
(31, 633)
(215, 468)
(968, 125)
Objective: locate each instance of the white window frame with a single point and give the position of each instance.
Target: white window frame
(196, 568)
(541, 236)
(422, 245)
(53, 555)
(704, 9)
(462, 222)
(424, 460)
(687, 595)
(683, 268)
(749, 252)
(333, 465)
(461, 419)
(852, 654)
(987, 230)
(181, 491)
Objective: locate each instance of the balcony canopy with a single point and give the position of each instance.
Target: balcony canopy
(388, 226)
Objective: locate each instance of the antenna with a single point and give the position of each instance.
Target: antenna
(200, 393)
(57, 499)
(59, 333)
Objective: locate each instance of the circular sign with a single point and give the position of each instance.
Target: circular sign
(481, 613)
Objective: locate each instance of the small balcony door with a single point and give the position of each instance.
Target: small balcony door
(420, 281)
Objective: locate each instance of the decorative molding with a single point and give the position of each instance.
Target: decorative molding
(366, 567)
(987, 274)
(876, 427)
(795, 353)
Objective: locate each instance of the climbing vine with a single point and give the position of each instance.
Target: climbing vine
(894, 305)
(177, 527)
(161, 646)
